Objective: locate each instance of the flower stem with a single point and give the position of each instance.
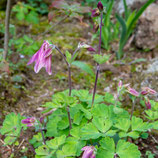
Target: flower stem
(95, 85)
(133, 106)
(42, 136)
(74, 53)
(62, 55)
(70, 84)
(98, 66)
(70, 87)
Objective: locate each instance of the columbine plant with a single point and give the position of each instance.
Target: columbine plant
(79, 124)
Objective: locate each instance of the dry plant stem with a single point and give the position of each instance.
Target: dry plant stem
(98, 66)
(6, 37)
(133, 106)
(48, 113)
(154, 139)
(21, 143)
(69, 78)
(5, 144)
(47, 31)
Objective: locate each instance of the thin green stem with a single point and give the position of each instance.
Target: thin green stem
(133, 106)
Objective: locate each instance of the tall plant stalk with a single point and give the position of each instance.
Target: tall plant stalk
(98, 66)
(70, 84)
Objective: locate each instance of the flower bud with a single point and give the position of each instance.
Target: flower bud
(100, 6)
(88, 47)
(148, 104)
(88, 152)
(149, 90)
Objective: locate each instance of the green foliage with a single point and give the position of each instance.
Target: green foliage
(110, 30)
(99, 125)
(12, 128)
(40, 5)
(123, 148)
(56, 142)
(26, 12)
(149, 154)
(68, 57)
(83, 66)
(101, 59)
(36, 141)
(152, 114)
(25, 45)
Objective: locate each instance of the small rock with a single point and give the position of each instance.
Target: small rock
(119, 7)
(146, 36)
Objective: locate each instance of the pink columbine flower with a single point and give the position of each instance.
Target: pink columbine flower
(147, 90)
(100, 6)
(43, 58)
(29, 121)
(148, 104)
(88, 47)
(132, 91)
(88, 152)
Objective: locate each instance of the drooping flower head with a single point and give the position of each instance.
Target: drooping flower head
(43, 58)
(132, 91)
(147, 90)
(88, 47)
(89, 152)
(29, 121)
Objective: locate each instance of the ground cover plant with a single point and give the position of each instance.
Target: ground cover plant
(77, 123)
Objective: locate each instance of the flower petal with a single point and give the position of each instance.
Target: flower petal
(48, 64)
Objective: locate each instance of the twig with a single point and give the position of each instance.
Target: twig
(43, 33)
(6, 36)
(154, 139)
(5, 144)
(21, 143)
